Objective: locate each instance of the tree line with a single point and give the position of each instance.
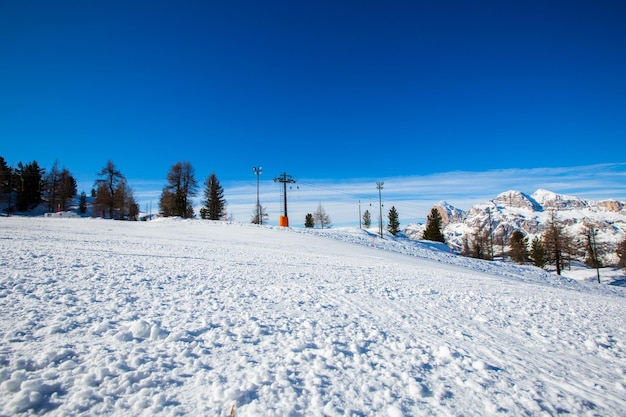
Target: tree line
(320, 218)
(29, 185)
(555, 246)
(24, 187)
(182, 186)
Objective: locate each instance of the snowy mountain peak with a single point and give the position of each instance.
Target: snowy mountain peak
(449, 213)
(513, 210)
(550, 200)
(517, 199)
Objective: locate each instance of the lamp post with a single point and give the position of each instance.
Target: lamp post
(490, 233)
(258, 171)
(379, 186)
(594, 233)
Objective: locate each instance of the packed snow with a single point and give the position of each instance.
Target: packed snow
(195, 318)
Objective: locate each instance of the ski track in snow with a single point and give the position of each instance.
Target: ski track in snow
(190, 318)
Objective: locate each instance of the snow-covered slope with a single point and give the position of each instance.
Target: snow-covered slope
(192, 318)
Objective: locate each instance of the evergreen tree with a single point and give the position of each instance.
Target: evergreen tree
(480, 247)
(434, 226)
(106, 190)
(82, 203)
(538, 253)
(321, 217)
(6, 183)
(214, 202)
(309, 221)
(592, 248)
(181, 187)
(394, 223)
(52, 180)
(519, 247)
(621, 254)
(113, 197)
(558, 244)
(367, 219)
(29, 185)
(133, 208)
(61, 188)
(167, 202)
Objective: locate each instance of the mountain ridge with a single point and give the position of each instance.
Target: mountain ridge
(514, 210)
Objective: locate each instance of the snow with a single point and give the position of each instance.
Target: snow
(175, 317)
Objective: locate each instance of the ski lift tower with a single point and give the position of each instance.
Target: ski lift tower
(285, 179)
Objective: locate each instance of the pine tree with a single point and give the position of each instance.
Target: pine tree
(433, 227)
(591, 247)
(321, 217)
(82, 203)
(29, 185)
(106, 189)
(5, 176)
(52, 180)
(558, 244)
(367, 219)
(538, 253)
(176, 195)
(480, 247)
(61, 188)
(7, 183)
(394, 223)
(67, 189)
(519, 247)
(113, 197)
(309, 221)
(214, 202)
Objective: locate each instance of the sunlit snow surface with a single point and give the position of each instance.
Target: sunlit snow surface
(192, 318)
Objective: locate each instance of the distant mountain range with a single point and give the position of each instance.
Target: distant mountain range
(513, 210)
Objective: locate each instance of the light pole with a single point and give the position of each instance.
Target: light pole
(258, 171)
(594, 233)
(490, 233)
(379, 186)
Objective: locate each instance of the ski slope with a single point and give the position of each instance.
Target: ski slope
(196, 318)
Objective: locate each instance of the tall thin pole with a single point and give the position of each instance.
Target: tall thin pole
(594, 232)
(379, 186)
(284, 178)
(490, 233)
(258, 171)
(359, 214)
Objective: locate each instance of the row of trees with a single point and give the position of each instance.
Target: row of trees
(557, 247)
(554, 247)
(322, 219)
(25, 187)
(182, 186)
(112, 197)
(29, 185)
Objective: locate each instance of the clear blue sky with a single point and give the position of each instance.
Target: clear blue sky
(323, 90)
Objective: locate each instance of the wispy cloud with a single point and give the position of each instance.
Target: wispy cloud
(413, 196)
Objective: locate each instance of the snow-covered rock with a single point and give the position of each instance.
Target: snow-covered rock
(513, 210)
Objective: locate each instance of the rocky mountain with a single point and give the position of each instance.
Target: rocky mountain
(513, 210)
